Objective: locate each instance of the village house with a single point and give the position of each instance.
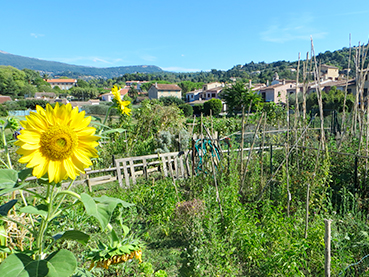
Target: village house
(329, 72)
(45, 95)
(193, 95)
(277, 91)
(211, 93)
(164, 90)
(63, 84)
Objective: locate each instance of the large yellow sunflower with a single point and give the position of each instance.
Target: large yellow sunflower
(57, 141)
(123, 105)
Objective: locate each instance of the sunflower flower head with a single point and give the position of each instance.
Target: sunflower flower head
(122, 105)
(57, 141)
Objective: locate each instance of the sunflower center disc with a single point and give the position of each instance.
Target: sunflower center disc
(58, 143)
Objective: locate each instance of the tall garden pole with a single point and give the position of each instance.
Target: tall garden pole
(327, 248)
(242, 136)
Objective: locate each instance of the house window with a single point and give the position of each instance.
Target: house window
(208, 95)
(348, 90)
(191, 96)
(263, 95)
(213, 95)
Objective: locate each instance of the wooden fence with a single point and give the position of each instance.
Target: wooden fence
(174, 164)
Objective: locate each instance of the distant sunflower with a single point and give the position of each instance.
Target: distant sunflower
(123, 105)
(57, 141)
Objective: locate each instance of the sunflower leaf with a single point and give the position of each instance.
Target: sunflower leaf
(117, 130)
(24, 173)
(4, 209)
(73, 235)
(101, 207)
(59, 264)
(8, 178)
(33, 210)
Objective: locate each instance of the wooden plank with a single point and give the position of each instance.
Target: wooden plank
(144, 167)
(170, 166)
(133, 174)
(164, 163)
(126, 176)
(119, 173)
(181, 167)
(176, 166)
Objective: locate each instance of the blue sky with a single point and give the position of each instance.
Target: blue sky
(181, 36)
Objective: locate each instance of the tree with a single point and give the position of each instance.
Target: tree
(133, 93)
(214, 105)
(171, 100)
(239, 95)
(186, 109)
(82, 84)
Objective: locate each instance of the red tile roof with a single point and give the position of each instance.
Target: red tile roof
(4, 98)
(167, 87)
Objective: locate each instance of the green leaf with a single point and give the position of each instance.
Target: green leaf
(8, 178)
(114, 238)
(63, 261)
(33, 210)
(9, 190)
(59, 264)
(100, 212)
(24, 173)
(81, 272)
(4, 209)
(111, 200)
(101, 207)
(125, 230)
(117, 130)
(73, 235)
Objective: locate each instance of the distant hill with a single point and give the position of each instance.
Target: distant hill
(57, 68)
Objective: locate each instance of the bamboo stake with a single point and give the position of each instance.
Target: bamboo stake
(327, 248)
(345, 99)
(366, 139)
(319, 95)
(262, 151)
(307, 211)
(297, 110)
(304, 88)
(288, 182)
(296, 99)
(252, 146)
(242, 137)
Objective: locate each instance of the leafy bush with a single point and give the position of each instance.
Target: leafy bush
(98, 109)
(214, 105)
(170, 100)
(187, 110)
(3, 111)
(198, 108)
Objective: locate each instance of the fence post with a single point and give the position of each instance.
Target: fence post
(113, 159)
(355, 175)
(327, 243)
(271, 159)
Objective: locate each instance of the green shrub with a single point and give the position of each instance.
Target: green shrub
(214, 105)
(3, 111)
(187, 110)
(198, 108)
(170, 100)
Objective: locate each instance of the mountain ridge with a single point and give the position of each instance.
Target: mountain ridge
(57, 68)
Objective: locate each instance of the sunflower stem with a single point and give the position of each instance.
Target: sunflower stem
(64, 195)
(106, 117)
(6, 148)
(68, 192)
(45, 221)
